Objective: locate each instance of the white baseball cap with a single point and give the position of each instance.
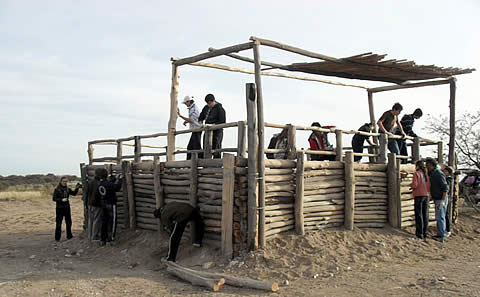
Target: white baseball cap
(187, 98)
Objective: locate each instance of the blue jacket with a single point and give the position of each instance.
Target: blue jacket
(438, 184)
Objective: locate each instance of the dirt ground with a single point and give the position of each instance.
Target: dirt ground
(365, 262)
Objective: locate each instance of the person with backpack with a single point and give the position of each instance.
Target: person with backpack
(421, 186)
(319, 142)
(61, 196)
(175, 217)
(107, 189)
(278, 141)
(358, 140)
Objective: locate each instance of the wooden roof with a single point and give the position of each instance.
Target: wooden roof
(370, 66)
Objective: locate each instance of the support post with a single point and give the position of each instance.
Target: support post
(416, 150)
(349, 191)
(207, 143)
(451, 145)
(291, 142)
(392, 191)
(90, 153)
(138, 149)
(339, 148)
(241, 139)
(371, 112)
(261, 144)
(84, 177)
(193, 190)
(159, 199)
(227, 204)
(398, 193)
(299, 191)
(126, 194)
(382, 149)
(172, 123)
(130, 195)
(440, 152)
(119, 152)
(252, 165)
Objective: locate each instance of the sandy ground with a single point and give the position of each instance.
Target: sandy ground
(367, 262)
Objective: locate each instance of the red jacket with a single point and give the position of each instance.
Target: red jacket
(420, 184)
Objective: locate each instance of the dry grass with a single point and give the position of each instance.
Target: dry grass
(23, 195)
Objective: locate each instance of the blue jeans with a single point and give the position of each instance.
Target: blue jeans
(393, 146)
(440, 218)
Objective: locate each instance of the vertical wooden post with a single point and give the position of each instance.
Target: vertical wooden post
(382, 150)
(440, 152)
(299, 191)
(371, 150)
(451, 145)
(157, 186)
(241, 139)
(84, 177)
(131, 197)
(227, 204)
(261, 145)
(339, 148)
(193, 190)
(90, 153)
(172, 123)
(291, 142)
(252, 165)
(416, 150)
(126, 193)
(207, 145)
(349, 191)
(138, 149)
(392, 191)
(372, 121)
(398, 193)
(119, 152)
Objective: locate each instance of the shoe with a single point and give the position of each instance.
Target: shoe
(68, 238)
(102, 243)
(440, 239)
(197, 245)
(449, 233)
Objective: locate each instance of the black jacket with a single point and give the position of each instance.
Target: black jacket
(438, 184)
(214, 115)
(407, 124)
(103, 192)
(357, 139)
(175, 212)
(62, 192)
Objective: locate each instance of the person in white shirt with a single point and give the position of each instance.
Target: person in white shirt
(192, 120)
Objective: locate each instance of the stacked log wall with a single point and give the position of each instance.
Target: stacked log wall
(324, 195)
(240, 215)
(371, 195)
(144, 195)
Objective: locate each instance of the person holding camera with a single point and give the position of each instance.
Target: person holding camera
(61, 196)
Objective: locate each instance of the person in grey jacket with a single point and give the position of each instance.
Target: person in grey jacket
(438, 192)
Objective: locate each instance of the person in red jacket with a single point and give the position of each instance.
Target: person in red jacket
(319, 142)
(421, 187)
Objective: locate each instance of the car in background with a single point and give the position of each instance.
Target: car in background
(469, 186)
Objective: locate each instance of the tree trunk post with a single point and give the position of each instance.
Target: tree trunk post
(339, 148)
(299, 191)
(451, 145)
(193, 190)
(227, 204)
(127, 191)
(138, 149)
(131, 197)
(372, 121)
(349, 191)
(252, 165)
(440, 152)
(172, 123)
(241, 139)
(159, 198)
(392, 191)
(119, 152)
(291, 142)
(207, 145)
(84, 177)
(90, 153)
(416, 150)
(382, 150)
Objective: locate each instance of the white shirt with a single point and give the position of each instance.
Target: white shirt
(193, 114)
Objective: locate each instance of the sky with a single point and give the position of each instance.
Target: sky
(74, 71)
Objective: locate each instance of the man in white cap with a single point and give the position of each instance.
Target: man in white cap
(193, 113)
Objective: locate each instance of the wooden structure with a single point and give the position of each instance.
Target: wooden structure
(245, 199)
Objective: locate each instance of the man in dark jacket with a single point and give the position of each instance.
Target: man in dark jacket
(174, 217)
(438, 191)
(407, 124)
(213, 113)
(61, 197)
(358, 140)
(107, 189)
(94, 205)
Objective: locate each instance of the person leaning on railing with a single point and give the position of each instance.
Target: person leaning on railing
(407, 124)
(213, 113)
(386, 123)
(279, 141)
(358, 140)
(192, 120)
(319, 142)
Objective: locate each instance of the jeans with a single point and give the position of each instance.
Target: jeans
(440, 218)
(393, 146)
(402, 145)
(421, 216)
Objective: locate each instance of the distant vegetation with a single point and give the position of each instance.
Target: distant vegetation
(32, 181)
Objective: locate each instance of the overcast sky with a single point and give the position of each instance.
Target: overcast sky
(74, 71)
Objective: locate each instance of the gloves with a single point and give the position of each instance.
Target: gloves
(78, 186)
(441, 205)
(64, 199)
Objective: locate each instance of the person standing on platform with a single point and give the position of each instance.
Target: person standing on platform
(386, 123)
(407, 124)
(213, 113)
(358, 140)
(192, 120)
(61, 196)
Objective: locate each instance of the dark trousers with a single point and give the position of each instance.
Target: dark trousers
(421, 216)
(447, 218)
(194, 143)
(322, 157)
(60, 214)
(109, 222)
(177, 232)
(357, 148)
(402, 146)
(217, 138)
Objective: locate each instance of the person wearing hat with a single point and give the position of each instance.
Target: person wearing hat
(192, 120)
(213, 113)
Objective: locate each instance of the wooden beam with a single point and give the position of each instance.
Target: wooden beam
(349, 191)
(137, 149)
(382, 149)
(451, 144)
(252, 164)
(130, 195)
(408, 86)
(227, 205)
(299, 191)
(159, 198)
(215, 53)
(440, 152)
(339, 145)
(126, 193)
(172, 123)
(90, 153)
(392, 191)
(261, 147)
(207, 144)
(291, 141)
(119, 152)
(241, 139)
